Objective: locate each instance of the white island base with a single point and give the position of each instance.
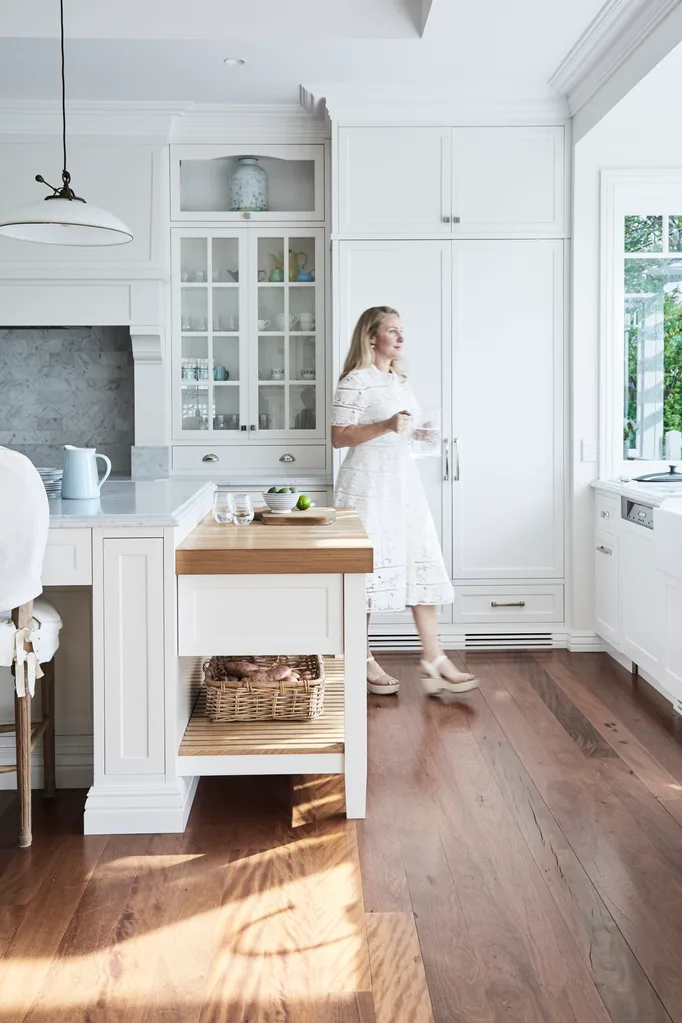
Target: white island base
(163, 602)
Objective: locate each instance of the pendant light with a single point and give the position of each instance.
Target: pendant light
(63, 218)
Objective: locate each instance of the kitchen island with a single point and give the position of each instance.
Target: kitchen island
(265, 590)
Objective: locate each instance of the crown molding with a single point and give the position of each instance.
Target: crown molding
(620, 27)
(464, 105)
(161, 122)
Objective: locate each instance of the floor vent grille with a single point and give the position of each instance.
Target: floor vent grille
(386, 641)
(678, 706)
(508, 640)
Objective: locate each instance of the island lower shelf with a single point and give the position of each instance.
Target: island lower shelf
(269, 747)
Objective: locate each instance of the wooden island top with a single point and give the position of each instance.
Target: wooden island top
(215, 549)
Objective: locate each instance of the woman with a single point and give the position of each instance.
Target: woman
(372, 408)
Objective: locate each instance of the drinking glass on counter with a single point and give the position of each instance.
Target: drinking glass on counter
(223, 507)
(243, 509)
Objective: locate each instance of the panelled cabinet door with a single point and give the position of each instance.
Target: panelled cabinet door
(507, 446)
(393, 181)
(133, 656)
(643, 617)
(508, 182)
(607, 588)
(413, 277)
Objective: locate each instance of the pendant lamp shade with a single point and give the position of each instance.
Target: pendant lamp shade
(63, 218)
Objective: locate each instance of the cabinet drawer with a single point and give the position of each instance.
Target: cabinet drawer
(484, 604)
(250, 458)
(68, 558)
(607, 512)
(260, 614)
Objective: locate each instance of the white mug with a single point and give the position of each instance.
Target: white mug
(264, 324)
(307, 321)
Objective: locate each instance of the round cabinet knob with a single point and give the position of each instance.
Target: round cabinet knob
(287, 458)
(247, 216)
(210, 458)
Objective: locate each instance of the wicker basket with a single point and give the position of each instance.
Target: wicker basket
(229, 699)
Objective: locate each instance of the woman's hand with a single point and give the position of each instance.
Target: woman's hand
(398, 423)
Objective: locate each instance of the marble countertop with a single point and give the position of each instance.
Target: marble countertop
(164, 502)
(653, 494)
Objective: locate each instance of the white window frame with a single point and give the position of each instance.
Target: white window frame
(623, 193)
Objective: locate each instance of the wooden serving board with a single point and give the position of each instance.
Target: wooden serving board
(311, 517)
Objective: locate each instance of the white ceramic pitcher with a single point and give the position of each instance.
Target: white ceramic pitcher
(81, 481)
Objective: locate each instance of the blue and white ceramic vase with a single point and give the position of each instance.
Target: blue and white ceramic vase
(249, 186)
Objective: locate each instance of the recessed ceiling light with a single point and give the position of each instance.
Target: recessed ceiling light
(234, 61)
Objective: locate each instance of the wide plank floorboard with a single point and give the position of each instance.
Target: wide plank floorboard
(521, 861)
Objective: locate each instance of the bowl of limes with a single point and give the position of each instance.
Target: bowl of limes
(281, 499)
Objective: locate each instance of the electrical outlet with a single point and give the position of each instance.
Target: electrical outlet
(589, 451)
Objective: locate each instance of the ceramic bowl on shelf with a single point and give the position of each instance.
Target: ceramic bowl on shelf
(281, 503)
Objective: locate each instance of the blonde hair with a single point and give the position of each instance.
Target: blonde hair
(361, 352)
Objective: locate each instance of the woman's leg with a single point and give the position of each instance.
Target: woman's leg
(427, 626)
(375, 673)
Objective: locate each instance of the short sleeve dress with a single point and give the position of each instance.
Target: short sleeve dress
(380, 480)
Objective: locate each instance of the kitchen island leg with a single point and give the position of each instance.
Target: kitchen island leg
(355, 703)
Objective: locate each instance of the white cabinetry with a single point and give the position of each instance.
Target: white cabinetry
(641, 604)
(507, 405)
(415, 278)
(484, 341)
(248, 328)
(492, 182)
(133, 643)
(201, 175)
(607, 588)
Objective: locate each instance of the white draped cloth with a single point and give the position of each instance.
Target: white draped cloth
(24, 523)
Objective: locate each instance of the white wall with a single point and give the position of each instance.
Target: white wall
(641, 132)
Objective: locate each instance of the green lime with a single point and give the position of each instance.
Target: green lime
(283, 490)
(272, 490)
(303, 503)
(293, 490)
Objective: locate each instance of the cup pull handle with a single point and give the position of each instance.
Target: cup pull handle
(210, 458)
(287, 458)
(604, 550)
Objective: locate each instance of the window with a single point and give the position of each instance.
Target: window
(651, 247)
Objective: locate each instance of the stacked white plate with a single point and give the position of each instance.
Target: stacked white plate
(52, 480)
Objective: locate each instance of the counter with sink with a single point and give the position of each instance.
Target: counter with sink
(638, 579)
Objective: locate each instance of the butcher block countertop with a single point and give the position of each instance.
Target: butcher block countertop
(215, 549)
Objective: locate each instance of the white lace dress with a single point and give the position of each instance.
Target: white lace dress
(381, 481)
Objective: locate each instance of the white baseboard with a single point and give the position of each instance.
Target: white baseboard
(161, 809)
(584, 641)
(73, 757)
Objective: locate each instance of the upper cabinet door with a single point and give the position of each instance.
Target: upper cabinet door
(393, 181)
(260, 184)
(508, 182)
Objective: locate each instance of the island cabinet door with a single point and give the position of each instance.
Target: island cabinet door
(133, 656)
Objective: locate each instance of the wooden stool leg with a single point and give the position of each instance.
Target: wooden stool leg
(22, 716)
(50, 783)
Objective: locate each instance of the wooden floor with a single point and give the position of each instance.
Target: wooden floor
(521, 861)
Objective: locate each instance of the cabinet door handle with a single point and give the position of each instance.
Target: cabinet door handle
(446, 444)
(252, 427)
(456, 220)
(210, 458)
(606, 514)
(446, 220)
(287, 458)
(510, 603)
(604, 550)
(455, 471)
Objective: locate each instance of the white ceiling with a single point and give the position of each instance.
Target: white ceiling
(173, 50)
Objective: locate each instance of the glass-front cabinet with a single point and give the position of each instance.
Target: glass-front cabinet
(248, 328)
(264, 184)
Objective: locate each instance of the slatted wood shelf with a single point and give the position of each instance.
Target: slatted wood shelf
(204, 738)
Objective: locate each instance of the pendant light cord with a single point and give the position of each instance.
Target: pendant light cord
(61, 22)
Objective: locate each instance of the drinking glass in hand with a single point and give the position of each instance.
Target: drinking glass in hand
(243, 509)
(223, 507)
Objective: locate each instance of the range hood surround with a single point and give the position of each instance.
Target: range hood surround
(139, 305)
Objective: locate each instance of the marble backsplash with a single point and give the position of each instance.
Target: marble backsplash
(67, 385)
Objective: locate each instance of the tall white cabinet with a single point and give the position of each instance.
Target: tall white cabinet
(481, 296)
